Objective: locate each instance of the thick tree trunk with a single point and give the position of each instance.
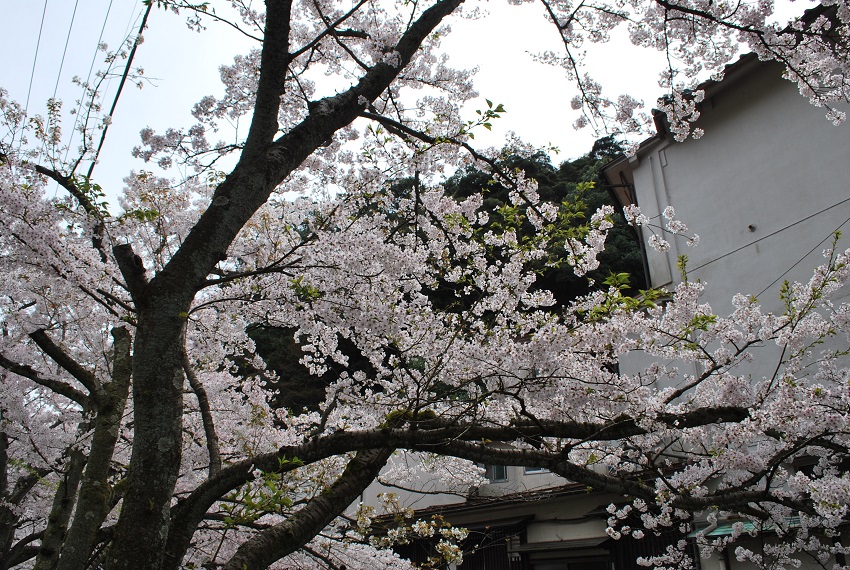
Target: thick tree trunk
(94, 501)
(163, 304)
(157, 439)
(60, 513)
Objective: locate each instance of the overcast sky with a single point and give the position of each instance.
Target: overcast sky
(183, 67)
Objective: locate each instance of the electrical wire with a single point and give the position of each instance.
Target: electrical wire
(61, 66)
(120, 88)
(88, 78)
(820, 243)
(791, 225)
(65, 49)
(132, 24)
(32, 74)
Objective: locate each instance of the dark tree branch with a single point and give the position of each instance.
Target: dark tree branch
(331, 28)
(54, 385)
(110, 298)
(133, 270)
(21, 551)
(274, 62)
(63, 506)
(217, 18)
(458, 439)
(321, 557)
(94, 502)
(709, 17)
(4, 465)
(272, 544)
(67, 363)
(265, 164)
(229, 277)
(206, 416)
(69, 184)
(26, 483)
(10, 517)
(405, 132)
(337, 37)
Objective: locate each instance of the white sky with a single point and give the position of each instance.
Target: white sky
(185, 65)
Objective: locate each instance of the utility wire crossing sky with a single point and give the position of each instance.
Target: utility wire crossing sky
(50, 42)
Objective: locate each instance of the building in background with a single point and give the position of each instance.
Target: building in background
(766, 188)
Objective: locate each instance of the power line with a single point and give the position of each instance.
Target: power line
(736, 250)
(61, 66)
(35, 58)
(120, 88)
(128, 29)
(32, 74)
(65, 49)
(820, 243)
(88, 78)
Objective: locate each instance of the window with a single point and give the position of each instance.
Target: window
(533, 470)
(496, 473)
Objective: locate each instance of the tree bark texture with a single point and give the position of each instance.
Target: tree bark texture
(155, 461)
(162, 304)
(95, 496)
(60, 513)
(272, 544)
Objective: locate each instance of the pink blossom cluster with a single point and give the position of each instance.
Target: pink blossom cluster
(690, 414)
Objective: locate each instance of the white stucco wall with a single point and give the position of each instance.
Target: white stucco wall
(765, 189)
(768, 182)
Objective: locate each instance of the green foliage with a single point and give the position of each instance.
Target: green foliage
(615, 301)
(268, 494)
(304, 291)
(787, 294)
(93, 192)
(700, 323)
(485, 118)
(619, 281)
(576, 187)
(140, 215)
(682, 266)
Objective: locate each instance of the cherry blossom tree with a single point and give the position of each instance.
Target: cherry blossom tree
(136, 430)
